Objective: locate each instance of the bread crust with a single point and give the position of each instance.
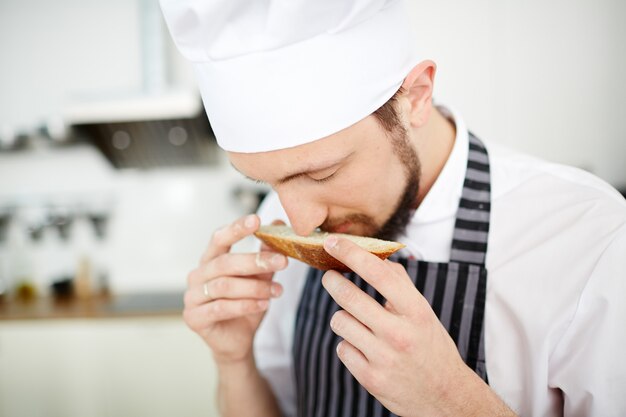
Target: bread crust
(314, 254)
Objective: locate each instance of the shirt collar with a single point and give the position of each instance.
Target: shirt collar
(443, 198)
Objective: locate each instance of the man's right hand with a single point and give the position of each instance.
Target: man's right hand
(228, 293)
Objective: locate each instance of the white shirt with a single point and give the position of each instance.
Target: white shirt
(555, 315)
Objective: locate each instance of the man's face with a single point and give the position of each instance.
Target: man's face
(362, 180)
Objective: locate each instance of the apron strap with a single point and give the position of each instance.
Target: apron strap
(471, 230)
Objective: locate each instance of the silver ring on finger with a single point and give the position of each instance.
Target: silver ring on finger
(206, 291)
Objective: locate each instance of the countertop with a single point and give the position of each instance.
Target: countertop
(104, 306)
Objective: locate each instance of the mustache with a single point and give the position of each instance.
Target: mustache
(330, 225)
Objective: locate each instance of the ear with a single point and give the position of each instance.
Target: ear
(418, 92)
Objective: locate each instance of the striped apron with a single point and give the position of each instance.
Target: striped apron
(455, 290)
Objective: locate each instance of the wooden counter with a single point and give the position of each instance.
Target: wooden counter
(127, 305)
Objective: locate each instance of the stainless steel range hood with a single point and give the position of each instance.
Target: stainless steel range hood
(154, 143)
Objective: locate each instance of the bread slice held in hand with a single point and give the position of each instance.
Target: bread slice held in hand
(310, 249)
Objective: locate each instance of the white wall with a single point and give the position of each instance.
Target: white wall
(544, 77)
(53, 51)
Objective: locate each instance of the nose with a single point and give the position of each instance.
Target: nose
(304, 212)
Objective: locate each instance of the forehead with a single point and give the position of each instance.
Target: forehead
(308, 156)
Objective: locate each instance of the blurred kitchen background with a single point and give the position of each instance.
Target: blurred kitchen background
(111, 183)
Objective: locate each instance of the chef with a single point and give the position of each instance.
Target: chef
(508, 298)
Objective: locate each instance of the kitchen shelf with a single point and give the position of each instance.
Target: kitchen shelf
(117, 306)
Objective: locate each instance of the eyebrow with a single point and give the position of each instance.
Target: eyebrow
(311, 170)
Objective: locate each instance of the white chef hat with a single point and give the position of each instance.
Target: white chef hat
(275, 74)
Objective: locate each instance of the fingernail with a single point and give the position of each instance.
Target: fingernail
(260, 262)
(250, 221)
(333, 323)
(331, 242)
(263, 304)
(276, 290)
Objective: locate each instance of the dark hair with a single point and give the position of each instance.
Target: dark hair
(387, 114)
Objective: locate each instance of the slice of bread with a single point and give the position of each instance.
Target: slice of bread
(310, 249)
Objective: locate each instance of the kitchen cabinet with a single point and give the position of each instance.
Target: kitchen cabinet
(104, 368)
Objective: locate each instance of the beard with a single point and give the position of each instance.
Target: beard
(396, 223)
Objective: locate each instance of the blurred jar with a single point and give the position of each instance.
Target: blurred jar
(5, 221)
(21, 268)
(5, 283)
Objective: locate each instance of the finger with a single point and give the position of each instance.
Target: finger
(394, 265)
(354, 360)
(237, 264)
(356, 302)
(355, 333)
(225, 237)
(205, 315)
(232, 288)
(392, 284)
(244, 264)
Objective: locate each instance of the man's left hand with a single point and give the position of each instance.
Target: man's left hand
(399, 352)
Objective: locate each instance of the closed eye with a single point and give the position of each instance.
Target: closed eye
(327, 178)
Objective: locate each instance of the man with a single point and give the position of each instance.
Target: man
(507, 299)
